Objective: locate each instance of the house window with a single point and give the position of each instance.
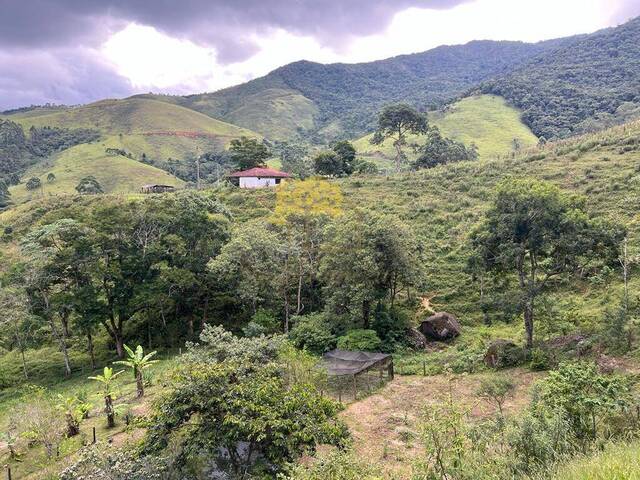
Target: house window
(277, 181)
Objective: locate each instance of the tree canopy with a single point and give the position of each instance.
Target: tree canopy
(248, 153)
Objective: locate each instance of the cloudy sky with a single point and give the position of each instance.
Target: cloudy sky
(77, 51)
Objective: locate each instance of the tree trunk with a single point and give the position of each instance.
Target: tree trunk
(119, 345)
(190, 330)
(108, 408)
(63, 347)
(92, 354)
(528, 322)
(366, 308)
(139, 383)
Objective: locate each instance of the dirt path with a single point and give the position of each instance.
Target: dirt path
(384, 424)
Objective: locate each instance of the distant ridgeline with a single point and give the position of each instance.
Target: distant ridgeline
(586, 85)
(19, 151)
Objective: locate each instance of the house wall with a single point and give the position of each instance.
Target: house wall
(257, 182)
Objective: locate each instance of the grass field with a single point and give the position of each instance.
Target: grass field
(485, 120)
(116, 173)
(616, 462)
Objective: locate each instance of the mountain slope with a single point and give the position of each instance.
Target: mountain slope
(116, 173)
(341, 100)
(484, 120)
(159, 130)
(579, 86)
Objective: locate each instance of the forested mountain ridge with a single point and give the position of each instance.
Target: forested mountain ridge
(592, 83)
(341, 100)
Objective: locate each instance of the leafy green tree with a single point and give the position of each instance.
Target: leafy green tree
(366, 340)
(33, 183)
(534, 230)
(396, 122)
(89, 185)
(248, 153)
(245, 409)
(294, 158)
(346, 153)
(328, 163)
(367, 258)
(585, 395)
(138, 362)
(5, 196)
(438, 150)
(312, 333)
(496, 389)
(108, 393)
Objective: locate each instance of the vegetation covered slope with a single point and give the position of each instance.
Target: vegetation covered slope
(578, 86)
(484, 120)
(116, 173)
(342, 99)
(160, 130)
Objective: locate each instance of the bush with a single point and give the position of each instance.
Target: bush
(540, 360)
(365, 340)
(312, 333)
(391, 327)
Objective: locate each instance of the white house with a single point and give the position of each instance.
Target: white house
(259, 177)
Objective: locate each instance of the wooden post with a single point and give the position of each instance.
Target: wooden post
(424, 368)
(391, 370)
(94, 434)
(8, 467)
(355, 388)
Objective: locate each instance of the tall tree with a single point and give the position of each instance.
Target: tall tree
(540, 234)
(248, 153)
(396, 122)
(366, 259)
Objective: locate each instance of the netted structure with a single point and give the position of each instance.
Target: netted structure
(347, 371)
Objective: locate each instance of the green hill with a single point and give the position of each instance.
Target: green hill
(116, 173)
(341, 100)
(140, 125)
(591, 83)
(485, 120)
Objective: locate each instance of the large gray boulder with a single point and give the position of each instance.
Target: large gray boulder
(442, 326)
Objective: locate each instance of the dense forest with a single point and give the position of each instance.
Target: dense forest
(589, 84)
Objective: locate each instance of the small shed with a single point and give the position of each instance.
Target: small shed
(259, 177)
(157, 188)
(345, 367)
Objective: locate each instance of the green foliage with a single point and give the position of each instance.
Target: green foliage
(588, 77)
(585, 396)
(33, 183)
(396, 122)
(101, 462)
(248, 153)
(368, 257)
(89, 186)
(539, 233)
(617, 460)
(246, 412)
(335, 465)
(438, 150)
(361, 340)
(138, 362)
(496, 390)
(312, 333)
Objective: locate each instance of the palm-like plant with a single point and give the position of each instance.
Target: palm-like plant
(106, 379)
(138, 362)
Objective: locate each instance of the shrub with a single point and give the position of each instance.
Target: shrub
(312, 333)
(391, 327)
(540, 360)
(365, 340)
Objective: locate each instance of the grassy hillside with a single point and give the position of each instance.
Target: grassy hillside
(485, 120)
(116, 173)
(341, 100)
(616, 462)
(140, 125)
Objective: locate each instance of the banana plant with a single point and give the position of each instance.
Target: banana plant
(106, 379)
(138, 362)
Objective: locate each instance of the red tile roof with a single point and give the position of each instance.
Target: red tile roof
(261, 172)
